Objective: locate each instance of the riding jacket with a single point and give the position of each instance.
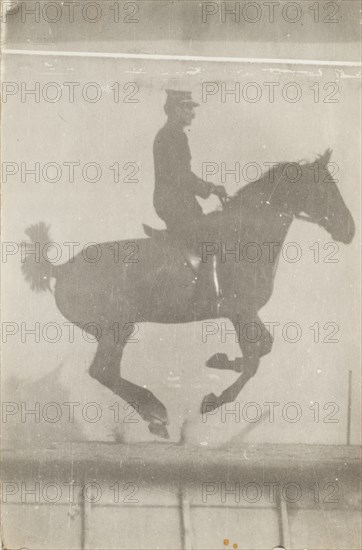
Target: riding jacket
(176, 186)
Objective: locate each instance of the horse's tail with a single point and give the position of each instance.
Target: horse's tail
(37, 269)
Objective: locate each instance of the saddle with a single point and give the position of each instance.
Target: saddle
(164, 238)
(204, 273)
(162, 234)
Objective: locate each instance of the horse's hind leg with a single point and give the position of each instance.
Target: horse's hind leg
(105, 368)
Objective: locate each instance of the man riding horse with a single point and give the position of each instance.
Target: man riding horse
(176, 189)
(104, 294)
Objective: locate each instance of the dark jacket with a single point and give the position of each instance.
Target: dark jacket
(176, 186)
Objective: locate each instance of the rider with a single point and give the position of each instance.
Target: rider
(176, 186)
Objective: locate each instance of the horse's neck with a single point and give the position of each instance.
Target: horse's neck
(279, 223)
(263, 224)
(271, 203)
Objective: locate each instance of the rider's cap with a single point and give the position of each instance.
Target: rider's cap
(179, 97)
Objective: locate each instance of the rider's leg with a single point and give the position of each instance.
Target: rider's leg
(208, 289)
(193, 239)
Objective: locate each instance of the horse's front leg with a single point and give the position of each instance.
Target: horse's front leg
(220, 361)
(253, 344)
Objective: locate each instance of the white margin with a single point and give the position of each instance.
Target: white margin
(193, 58)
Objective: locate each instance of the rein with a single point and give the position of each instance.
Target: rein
(305, 218)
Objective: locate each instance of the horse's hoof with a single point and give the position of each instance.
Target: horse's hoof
(209, 403)
(218, 361)
(159, 416)
(158, 429)
(152, 410)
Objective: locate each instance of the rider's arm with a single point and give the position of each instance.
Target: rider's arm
(201, 188)
(204, 189)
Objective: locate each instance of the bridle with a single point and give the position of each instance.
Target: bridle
(323, 221)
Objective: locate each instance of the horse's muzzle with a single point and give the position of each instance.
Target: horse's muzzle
(345, 231)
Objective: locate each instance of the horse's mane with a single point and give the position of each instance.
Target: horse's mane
(266, 183)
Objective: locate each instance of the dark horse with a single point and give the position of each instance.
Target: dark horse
(101, 289)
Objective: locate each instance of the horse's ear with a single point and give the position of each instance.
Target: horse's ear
(326, 157)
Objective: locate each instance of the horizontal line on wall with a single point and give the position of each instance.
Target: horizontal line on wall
(222, 507)
(197, 58)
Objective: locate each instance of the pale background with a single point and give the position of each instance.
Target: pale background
(170, 359)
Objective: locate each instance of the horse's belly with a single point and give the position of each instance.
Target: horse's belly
(253, 286)
(168, 295)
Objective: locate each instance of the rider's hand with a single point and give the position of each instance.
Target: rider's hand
(219, 191)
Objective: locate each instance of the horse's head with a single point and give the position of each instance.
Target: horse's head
(311, 195)
(322, 202)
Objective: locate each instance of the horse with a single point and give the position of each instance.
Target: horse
(98, 292)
